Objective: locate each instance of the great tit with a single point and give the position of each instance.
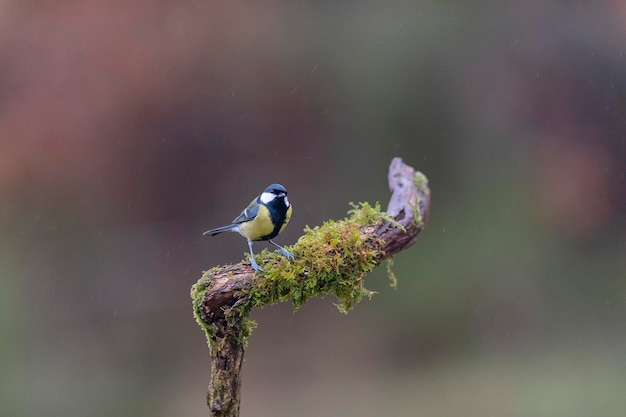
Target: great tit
(264, 218)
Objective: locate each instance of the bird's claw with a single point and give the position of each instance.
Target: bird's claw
(287, 254)
(255, 265)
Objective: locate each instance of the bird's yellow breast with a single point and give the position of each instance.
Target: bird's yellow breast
(259, 227)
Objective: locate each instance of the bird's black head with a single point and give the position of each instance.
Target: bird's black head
(276, 189)
(273, 194)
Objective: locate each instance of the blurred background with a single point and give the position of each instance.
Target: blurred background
(127, 128)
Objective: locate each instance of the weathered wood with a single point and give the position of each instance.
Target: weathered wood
(223, 307)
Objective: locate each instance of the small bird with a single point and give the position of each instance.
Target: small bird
(264, 218)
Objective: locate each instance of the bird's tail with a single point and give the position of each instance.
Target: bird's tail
(219, 230)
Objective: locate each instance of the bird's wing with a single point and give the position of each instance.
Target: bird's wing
(249, 213)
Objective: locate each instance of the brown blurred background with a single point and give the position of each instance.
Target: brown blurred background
(129, 127)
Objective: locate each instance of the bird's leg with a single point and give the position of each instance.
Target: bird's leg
(282, 250)
(255, 265)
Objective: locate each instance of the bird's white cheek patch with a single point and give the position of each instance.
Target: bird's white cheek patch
(267, 197)
(286, 201)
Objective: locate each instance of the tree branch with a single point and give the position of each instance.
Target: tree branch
(332, 258)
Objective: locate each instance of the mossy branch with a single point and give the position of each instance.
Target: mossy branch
(329, 259)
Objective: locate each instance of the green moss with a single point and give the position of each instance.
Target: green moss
(421, 182)
(329, 259)
(236, 318)
(393, 281)
(197, 294)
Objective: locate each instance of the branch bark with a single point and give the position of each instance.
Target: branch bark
(222, 296)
